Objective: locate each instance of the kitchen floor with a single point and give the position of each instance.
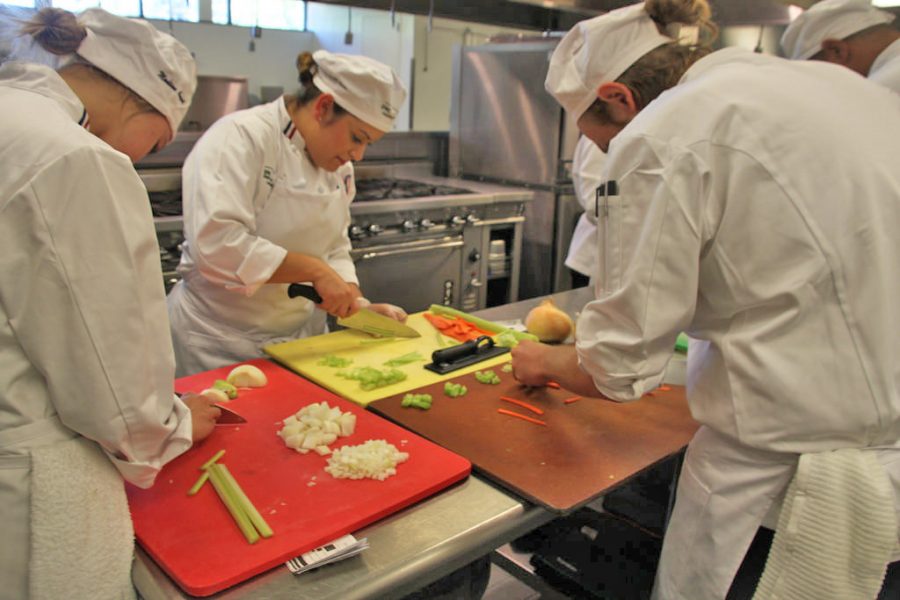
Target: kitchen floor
(503, 586)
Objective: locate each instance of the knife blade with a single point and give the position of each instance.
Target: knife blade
(229, 417)
(364, 319)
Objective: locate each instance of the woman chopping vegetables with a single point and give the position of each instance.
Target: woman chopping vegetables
(266, 203)
(86, 366)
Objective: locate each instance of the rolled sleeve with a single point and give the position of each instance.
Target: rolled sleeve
(648, 269)
(220, 186)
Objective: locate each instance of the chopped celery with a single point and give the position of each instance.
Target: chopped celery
(506, 368)
(455, 390)
(488, 377)
(421, 401)
(330, 360)
(370, 378)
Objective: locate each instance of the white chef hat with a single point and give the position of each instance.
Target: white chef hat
(152, 64)
(829, 19)
(369, 90)
(599, 50)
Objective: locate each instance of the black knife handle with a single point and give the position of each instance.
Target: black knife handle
(306, 291)
(454, 353)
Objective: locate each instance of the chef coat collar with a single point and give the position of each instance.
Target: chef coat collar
(288, 129)
(719, 57)
(41, 79)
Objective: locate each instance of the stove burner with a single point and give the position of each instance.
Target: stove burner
(166, 204)
(393, 189)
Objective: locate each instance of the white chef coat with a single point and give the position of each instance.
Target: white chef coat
(757, 208)
(251, 194)
(885, 70)
(587, 174)
(84, 338)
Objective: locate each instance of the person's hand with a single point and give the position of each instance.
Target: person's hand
(529, 362)
(389, 310)
(338, 296)
(204, 413)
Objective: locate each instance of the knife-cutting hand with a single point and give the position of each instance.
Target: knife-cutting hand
(204, 413)
(338, 296)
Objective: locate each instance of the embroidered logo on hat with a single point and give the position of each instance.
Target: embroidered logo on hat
(168, 82)
(389, 111)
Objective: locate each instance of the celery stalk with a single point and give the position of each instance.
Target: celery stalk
(196, 487)
(212, 460)
(246, 505)
(237, 513)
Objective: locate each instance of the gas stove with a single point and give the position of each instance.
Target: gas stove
(368, 190)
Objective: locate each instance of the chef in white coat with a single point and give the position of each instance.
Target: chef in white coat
(712, 222)
(266, 195)
(852, 33)
(86, 364)
(587, 172)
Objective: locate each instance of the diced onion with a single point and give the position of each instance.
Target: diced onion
(374, 459)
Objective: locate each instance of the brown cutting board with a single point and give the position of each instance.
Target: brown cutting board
(586, 448)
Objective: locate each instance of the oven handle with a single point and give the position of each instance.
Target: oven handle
(408, 250)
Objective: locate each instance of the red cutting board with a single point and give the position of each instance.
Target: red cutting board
(195, 540)
(587, 447)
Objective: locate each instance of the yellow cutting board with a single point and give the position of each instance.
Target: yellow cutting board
(303, 355)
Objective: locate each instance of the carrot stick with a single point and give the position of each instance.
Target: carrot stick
(664, 388)
(552, 384)
(503, 411)
(572, 399)
(533, 409)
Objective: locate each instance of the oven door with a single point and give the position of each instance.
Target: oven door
(412, 275)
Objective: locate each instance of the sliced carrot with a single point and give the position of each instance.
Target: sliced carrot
(572, 399)
(530, 407)
(552, 384)
(503, 411)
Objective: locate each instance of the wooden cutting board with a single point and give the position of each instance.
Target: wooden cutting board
(194, 539)
(304, 354)
(586, 448)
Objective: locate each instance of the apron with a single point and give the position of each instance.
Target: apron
(724, 492)
(67, 529)
(210, 324)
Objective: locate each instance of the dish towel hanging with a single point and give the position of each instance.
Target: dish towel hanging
(82, 539)
(836, 532)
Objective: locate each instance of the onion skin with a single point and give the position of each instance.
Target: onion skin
(549, 323)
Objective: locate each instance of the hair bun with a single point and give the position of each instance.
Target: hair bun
(56, 30)
(307, 67)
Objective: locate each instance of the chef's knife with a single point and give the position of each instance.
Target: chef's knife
(365, 319)
(229, 417)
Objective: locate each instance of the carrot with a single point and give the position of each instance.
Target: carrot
(533, 409)
(664, 388)
(503, 411)
(572, 399)
(553, 384)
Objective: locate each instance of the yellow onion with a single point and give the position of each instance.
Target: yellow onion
(549, 323)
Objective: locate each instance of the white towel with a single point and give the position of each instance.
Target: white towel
(836, 532)
(82, 540)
